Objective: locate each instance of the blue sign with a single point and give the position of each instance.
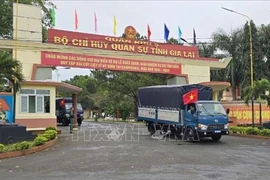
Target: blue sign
(6, 108)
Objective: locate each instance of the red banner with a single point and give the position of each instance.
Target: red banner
(121, 44)
(243, 113)
(106, 63)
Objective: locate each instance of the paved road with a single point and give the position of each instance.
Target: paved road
(91, 155)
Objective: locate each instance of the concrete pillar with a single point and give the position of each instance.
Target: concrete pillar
(74, 104)
(215, 95)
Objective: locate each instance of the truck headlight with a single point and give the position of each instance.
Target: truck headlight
(202, 126)
(226, 126)
(67, 115)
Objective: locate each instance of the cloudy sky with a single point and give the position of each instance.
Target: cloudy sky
(205, 16)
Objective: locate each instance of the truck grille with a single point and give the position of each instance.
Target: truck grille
(215, 127)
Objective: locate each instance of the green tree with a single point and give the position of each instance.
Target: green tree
(259, 92)
(10, 71)
(6, 16)
(87, 97)
(264, 36)
(259, 65)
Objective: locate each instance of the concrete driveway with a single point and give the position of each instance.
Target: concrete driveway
(125, 151)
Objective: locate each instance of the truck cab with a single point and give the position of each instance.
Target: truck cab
(208, 119)
(63, 108)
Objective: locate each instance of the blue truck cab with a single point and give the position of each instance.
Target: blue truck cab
(163, 107)
(63, 108)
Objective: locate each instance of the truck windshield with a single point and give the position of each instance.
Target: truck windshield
(211, 109)
(69, 105)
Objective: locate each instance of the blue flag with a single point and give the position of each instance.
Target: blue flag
(194, 37)
(166, 33)
(179, 35)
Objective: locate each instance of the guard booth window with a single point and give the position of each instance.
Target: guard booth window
(34, 101)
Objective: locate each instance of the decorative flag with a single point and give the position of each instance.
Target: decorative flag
(95, 20)
(194, 37)
(191, 96)
(53, 17)
(148, 33)
(179, 35)
(76, 20)
(166, 33)
(114, 25)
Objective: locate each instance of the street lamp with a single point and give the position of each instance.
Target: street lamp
(57, 73)
(251, 58)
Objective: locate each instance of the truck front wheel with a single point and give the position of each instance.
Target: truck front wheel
(216, 137)
(189, 134)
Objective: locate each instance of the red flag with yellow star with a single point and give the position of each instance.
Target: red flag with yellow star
(191, 97)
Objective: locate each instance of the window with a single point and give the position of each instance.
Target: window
(34, 101)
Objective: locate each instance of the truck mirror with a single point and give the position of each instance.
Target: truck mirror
(228, 111)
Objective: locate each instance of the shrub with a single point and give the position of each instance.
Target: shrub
(2, 147)
(51, 128)
(265, 132)
(233, 129)
(50, 134)
(40, 140)
(252, 131)
(25, 145)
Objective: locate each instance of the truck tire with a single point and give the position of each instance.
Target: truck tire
(65, 122)
(79, 121)
(216, 137)
(189, 134)
(151, 128)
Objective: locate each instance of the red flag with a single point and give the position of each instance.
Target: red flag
(191, 97)
(95, 19)
(76, 20)
(148, 33)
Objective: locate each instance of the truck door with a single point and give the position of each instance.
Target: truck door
(189, 114)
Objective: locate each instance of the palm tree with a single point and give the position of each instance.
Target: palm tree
(231, 44)
(259, 93)
(10, 70)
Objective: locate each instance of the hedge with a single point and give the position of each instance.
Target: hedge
(249, 131)
(49, 134)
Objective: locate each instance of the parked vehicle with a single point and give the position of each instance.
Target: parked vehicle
(169, 107)
(63, 107)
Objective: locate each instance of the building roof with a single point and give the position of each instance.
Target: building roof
(60, 86)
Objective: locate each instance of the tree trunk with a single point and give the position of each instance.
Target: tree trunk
(260, 108)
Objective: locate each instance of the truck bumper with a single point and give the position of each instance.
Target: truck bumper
(209, 133)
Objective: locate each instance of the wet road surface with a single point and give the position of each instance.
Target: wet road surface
(125, 151)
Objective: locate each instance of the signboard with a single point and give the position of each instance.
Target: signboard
(128, 44)
(106, 63)
(243, 113)
(6, 108)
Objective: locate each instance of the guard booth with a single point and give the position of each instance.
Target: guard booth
(32, 100)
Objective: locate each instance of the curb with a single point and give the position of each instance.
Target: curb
(28, 151)
(251, 136)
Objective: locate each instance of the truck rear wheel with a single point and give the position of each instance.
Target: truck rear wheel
(216, 137)
(151, 128)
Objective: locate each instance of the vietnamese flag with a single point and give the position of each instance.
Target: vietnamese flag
(191, 96)
(76, 20)
(148, 33)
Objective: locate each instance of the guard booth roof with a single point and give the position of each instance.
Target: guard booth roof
(170, 96)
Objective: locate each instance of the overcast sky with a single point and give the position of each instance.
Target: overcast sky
(205, 16)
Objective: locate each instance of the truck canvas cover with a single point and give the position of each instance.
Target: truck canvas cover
(170, 96)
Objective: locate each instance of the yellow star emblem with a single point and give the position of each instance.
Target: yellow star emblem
(191, 96)
(130, 31)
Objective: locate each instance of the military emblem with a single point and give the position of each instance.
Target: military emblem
(130, 31)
